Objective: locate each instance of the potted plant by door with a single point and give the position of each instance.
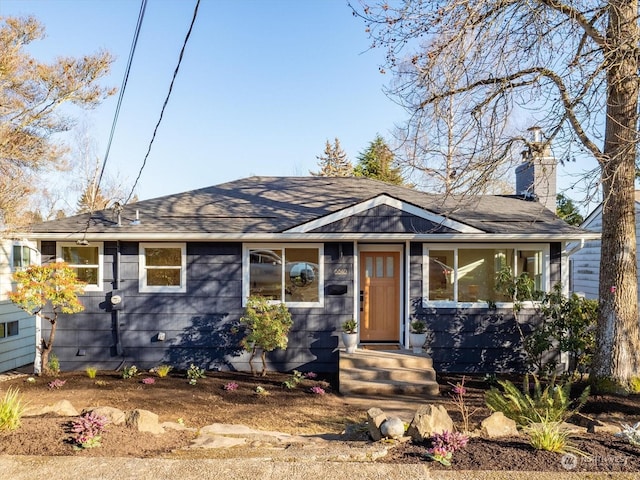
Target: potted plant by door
(418, 335)
(350, 335)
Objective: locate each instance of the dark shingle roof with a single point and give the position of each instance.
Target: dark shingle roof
(276, 204)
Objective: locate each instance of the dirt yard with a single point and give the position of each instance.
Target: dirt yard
(296, 411)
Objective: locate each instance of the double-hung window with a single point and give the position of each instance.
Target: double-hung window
(290, 273)
(86, 261)
(22, 256)
(163, 267)
(467, 274)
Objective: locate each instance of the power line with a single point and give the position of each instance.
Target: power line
(134, 43)
(166, 101)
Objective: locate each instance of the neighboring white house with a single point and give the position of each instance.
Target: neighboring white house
(17, 329)
(585, 263)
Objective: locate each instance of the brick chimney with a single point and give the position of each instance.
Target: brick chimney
(536, 175)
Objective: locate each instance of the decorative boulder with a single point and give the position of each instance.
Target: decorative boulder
(375, 418)
(429, 419)
(63, 408)
(114, 415)
(144, 421)
(596, 426)
(497, 425)
(392, 427)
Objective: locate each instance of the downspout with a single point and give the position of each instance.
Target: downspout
(356, 286)
(406, 314)
(116, 312)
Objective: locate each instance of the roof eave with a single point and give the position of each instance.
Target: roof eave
(309, 237)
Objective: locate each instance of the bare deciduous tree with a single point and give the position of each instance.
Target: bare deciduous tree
(443, 144)
(94, 193)
(573, 65)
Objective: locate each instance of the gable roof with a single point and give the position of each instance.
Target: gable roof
(311, 207)
(595, 216)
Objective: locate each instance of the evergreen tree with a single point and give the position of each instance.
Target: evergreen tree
(567, 211)
(378, 162)
(334, 162)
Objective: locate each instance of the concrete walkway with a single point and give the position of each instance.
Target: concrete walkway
(97, 468)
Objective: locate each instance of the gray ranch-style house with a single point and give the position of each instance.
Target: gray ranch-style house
(168, 278)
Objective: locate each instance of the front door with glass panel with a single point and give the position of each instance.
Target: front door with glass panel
(379, 296)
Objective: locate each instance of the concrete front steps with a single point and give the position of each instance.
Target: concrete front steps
(376, 372)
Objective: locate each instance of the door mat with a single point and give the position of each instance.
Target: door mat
(380, 346)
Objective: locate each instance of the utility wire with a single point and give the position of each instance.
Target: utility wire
(166, 101)
(132, 51)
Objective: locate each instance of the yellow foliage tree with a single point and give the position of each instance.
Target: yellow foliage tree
(47, 290)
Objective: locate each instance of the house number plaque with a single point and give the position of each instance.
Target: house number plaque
(341, 272)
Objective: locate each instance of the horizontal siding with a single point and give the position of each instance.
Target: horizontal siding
(18, 350)
(474, 340)
(585, 263)
(197, 324)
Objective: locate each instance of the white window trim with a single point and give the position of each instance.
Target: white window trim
(90, 287)
(546, 261)
(35, 259)
(142, 271)
(247, 247)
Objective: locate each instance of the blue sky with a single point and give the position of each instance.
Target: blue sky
(262, 86)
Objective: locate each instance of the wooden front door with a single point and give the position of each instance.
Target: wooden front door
(379, 296)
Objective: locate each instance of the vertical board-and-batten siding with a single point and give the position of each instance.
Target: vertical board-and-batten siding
(18, 350)
(476, 339)
(585, 263)
(197, 325)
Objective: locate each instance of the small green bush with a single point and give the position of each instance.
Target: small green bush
(266, 328)
(549, 436)
(129, 372)
(194, 374)
(53, 364)
(11, 410)
(294, 380)
(607, 386)
(552, 403)
(91, 372)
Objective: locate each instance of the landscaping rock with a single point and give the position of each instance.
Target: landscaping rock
(180, 427)
(144, 421)
(375, 418)
(216, 441)
(392, 427)
(571, 428)
(62, 408)
(429, 419)
(497, 425)
(596, 426)
(114, 415)
(265, 436)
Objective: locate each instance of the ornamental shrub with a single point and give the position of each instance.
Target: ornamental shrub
(88, 430)
(552, 403)
(11, 410)
(267, 328)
